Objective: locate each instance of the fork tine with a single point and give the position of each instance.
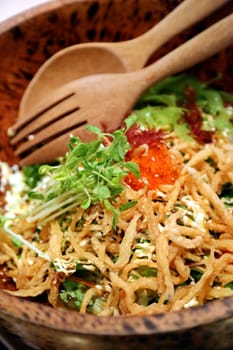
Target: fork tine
(64, 125)
(49, 142)
(51, 101)
(52, 114)
(57, 147)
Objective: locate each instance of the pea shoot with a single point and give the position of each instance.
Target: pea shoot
(90, 173)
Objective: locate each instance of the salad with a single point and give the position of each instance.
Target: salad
(138, 221)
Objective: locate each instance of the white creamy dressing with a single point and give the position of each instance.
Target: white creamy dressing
(196, 212)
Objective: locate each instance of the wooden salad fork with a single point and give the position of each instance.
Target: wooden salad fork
(80, 60)
(104, 100)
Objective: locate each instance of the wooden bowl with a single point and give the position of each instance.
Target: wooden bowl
(26, 41)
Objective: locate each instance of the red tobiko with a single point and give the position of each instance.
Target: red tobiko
(154, 160)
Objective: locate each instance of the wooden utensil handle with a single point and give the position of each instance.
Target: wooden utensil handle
(214, 39)
(182, 17)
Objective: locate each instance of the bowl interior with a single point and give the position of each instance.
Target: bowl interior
(26, 41)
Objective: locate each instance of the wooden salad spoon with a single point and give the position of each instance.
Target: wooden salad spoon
(81, 60)
(104, 100)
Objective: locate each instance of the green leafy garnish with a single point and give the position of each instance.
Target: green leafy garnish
(73, 291)
(72, 294)
(127, 205)
(31, 175)
(196, 274)
(87, 274)
(226, 194)
(229, 285)
(146, 297)
(3, 219)
(146, 271)
(165, 118)
(161, 107)
(90, 173)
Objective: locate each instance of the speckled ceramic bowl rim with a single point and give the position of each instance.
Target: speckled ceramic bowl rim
(74, 322)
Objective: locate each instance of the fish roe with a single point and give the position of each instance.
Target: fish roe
(156, 164)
